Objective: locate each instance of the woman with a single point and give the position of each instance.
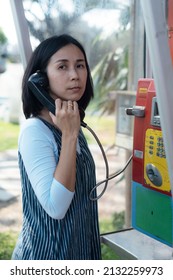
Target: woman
(57, 170)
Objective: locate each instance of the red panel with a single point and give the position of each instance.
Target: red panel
(145, 93)
(170, 25)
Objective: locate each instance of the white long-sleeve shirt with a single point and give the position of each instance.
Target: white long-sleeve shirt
(39, 152)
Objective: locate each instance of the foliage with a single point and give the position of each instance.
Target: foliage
(7, 244)
(49, 17)
(9, 136)
(109, 75)
(3, 51)
(111, 72)
(108, 253)
(8, 241)
(119, 220)
(107, 53)
(100, 125)
(114, 224)
(9, 132)
(3, 38)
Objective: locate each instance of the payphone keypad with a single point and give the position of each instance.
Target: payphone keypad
(155, 164)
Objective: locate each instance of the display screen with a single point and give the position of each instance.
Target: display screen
(156, 109)
(155, 117)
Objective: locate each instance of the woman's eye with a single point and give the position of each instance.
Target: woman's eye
(80, 66)
(62, 67)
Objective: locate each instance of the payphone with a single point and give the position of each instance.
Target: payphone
(152, 207)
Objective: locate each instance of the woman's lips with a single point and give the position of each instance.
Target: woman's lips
(75, 89)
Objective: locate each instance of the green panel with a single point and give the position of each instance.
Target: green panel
(154, 213)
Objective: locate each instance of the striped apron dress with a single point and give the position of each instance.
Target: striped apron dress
(76, 236)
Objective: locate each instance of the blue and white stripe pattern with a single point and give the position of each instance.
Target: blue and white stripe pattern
(76, 236)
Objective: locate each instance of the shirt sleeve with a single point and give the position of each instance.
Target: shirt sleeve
(38, 150)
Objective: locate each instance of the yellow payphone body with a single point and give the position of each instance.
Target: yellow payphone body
(156, 170)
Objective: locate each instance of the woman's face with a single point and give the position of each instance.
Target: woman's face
(67, 73)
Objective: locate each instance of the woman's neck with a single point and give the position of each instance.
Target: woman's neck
(44, 114)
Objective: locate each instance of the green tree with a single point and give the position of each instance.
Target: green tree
(108, 58)
(3, 38)
(49, 17)
(111, 72)
(3, 51)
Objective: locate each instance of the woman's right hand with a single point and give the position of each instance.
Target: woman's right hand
(67, 117)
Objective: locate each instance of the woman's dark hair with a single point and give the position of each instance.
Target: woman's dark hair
(39, 61)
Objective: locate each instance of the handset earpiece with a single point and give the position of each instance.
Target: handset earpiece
(41, 79)
(38, 83)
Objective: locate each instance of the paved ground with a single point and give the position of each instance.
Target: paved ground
(10, 191)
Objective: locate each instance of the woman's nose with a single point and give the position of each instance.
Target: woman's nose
(74, 74)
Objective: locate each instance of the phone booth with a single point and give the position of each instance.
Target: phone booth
(151, 236)
(152, 207)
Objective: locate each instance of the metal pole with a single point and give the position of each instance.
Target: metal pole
(22, 30)
(157, 36)
(136, 59)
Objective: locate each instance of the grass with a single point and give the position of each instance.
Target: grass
(7, 244)
(103, 126)
(9, 136)
(114, 224)
(8, 239)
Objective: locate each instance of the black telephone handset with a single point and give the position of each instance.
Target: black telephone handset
(38, 82)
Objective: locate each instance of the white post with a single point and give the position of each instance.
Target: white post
(21, 30)
(157, 38)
